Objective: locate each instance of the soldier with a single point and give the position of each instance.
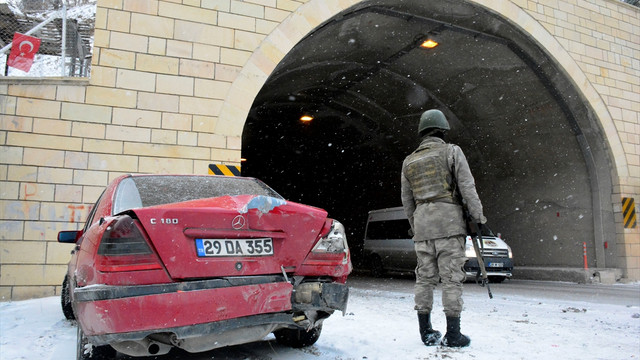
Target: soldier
(433, 178)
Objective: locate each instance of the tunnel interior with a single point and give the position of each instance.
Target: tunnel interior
(533, 145)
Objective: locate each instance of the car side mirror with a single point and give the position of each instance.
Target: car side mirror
(69, 237)
(410, 232)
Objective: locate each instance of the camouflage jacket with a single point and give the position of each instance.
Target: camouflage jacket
(442, 216)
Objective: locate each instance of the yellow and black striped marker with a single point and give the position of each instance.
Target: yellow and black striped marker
(629, 213)
(226, 170)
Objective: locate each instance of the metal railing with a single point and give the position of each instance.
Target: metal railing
(65, 31)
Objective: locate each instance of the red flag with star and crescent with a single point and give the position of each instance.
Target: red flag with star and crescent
(23, 49)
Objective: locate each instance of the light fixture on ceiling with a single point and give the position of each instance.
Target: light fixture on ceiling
(306, 118)
(429, 43)
(429, 40)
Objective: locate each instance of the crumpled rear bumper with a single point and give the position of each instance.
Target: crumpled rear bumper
(110, 314)
(320, 296)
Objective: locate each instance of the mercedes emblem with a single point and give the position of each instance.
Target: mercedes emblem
(238, 222)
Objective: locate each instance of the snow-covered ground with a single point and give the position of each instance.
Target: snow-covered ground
(380, 324)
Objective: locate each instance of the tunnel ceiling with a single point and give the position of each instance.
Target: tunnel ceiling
(365, 79)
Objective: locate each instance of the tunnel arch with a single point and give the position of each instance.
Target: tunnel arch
(601, 166)
(274, 48)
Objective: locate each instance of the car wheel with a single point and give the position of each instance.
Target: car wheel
(376, 266)
(496, 279)
(86, 351)
(298, 338)
(65, 300)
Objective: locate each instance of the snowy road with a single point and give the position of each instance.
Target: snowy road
(603, 294)
(524, 320)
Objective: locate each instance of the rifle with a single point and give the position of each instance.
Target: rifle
(481, 269)
(467, 217)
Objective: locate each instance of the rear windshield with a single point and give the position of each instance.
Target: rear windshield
(143, 191)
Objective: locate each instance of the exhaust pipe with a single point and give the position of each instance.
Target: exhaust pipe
(153, 348)
(144, 347)
(157, 348)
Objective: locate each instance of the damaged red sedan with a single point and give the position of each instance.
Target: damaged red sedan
(201, 262)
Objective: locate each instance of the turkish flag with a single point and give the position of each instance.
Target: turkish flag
(23, 49)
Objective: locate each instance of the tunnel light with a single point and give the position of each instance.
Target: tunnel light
(306, 118)
(429, 44)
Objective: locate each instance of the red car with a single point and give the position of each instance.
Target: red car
(201, 262)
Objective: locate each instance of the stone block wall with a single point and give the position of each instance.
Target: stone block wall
(171, 85)
(160, 73)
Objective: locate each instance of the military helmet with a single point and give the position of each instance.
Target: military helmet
(433, 119)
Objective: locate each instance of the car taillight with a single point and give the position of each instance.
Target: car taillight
(124, 248)
(334, 242)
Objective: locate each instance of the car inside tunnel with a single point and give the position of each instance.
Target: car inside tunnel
(363, 78)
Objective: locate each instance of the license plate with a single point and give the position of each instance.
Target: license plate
(495, 264)
(234, 247)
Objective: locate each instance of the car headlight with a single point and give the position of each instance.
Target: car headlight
(510, 253)
(469, 251)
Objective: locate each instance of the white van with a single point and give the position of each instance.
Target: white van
(388, 246)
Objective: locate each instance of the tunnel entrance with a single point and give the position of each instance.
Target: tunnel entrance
(364, 77)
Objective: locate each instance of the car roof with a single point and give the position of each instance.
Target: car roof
(393, 213)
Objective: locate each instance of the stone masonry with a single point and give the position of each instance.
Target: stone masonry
(171, 85)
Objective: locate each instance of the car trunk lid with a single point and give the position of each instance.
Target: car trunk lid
(232, 235)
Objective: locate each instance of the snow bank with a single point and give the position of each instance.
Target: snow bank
(382, 325)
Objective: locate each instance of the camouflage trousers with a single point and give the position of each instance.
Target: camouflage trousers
(440, 259)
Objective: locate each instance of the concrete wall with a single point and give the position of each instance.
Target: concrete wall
(173, 80)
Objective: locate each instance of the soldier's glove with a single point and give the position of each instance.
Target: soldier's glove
(483, 220)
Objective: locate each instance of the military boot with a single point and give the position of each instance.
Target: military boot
(428, 335)
(453, 337)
